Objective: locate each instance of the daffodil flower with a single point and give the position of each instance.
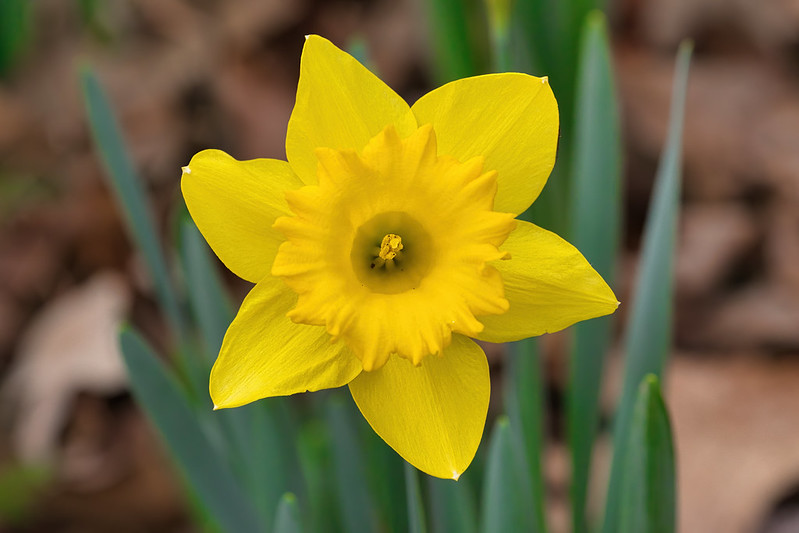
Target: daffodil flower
(385, 244)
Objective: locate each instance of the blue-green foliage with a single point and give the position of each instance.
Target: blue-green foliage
(596, 228)
(648, 338)
(648, 491)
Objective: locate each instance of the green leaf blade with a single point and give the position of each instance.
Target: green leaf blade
(167, 409)
(15, 33)
(352, 487)
(649, 332)
(315, 454)
(452, 507)
(386, 476)
(596, 226)
(206, 293)
(256, 439)
(416, 517)
(129, 193)
(506, 490)
(287, 519)
(524, 402)
(597, 160)
(454, 53)
(648, 493)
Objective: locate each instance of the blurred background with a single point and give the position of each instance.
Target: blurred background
(184, 75)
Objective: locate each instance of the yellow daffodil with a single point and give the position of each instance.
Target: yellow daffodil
(385, 244)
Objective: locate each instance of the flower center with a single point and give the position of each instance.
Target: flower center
(390, 250)
(384, 261)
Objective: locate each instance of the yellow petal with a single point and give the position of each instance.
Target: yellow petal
(549, 285)
(340, 105)
(266, 354)
(433, 414)
(511, 119)
(235, 203)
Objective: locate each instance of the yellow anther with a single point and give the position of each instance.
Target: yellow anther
(390, 248)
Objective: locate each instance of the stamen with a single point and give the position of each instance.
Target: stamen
(390, 246)
(390, 249)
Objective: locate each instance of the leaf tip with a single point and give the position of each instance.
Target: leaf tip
(686, 46)
(595, 19)
(651, 380)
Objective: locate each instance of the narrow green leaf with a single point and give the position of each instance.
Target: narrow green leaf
(167, 409)
(416, 516)
(596, 230)
(551, 209)
(131, 198)
(499, 31)
(648, 489)
(129, 193)
(260, 447)
(506, 493)
(15, 32)
(524, 403)
(386, 476)
(548, 35)
(649, 331)
(209, 306)
(205, 291)
(532, 28)
(450, 33)
(597, 152)
(288, 515)
(572, 17)
(452, 505)
(547, 32)
(257, 444)
(352, 488)
(315, 452)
